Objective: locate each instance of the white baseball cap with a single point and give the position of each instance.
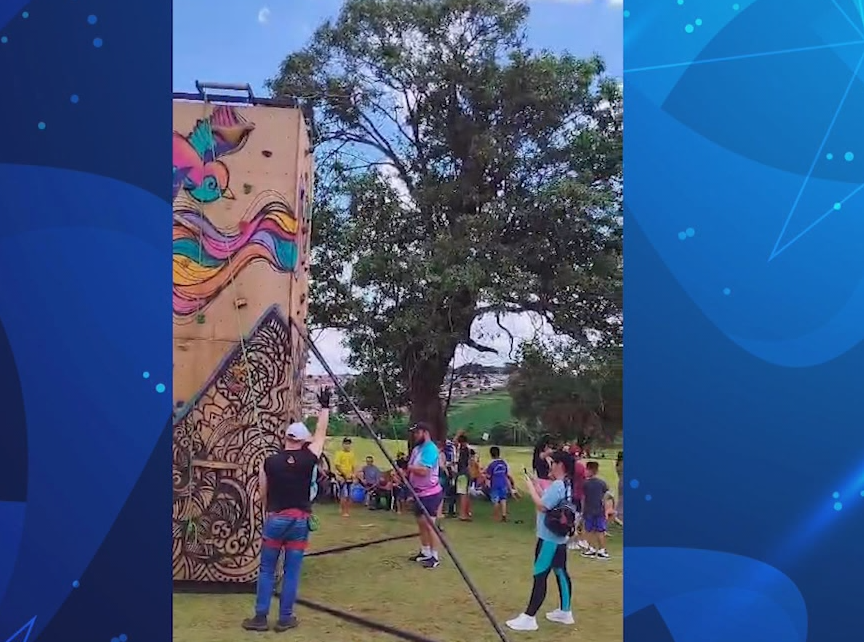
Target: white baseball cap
(298, 432)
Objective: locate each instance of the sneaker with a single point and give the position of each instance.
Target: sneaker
(523, 623)
(582, 544)
(602, 554)
(590, 553)
(573, 546)
(561, 617)
(419, 557)
(431, 562)
(284, 625)
(257, 623)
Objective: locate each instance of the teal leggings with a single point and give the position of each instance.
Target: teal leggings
(550, 557)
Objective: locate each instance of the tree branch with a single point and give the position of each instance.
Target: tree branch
(479, 347)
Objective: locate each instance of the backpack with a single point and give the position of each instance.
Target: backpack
(561, 520)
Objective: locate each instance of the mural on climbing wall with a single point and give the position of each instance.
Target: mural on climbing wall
(220, 439)
(236, 380)
(197, 168)
(207, 258)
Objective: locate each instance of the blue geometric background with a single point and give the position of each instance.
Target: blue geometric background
(85, 310)
(744, 300)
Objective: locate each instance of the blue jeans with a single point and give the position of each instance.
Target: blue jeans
(281, 533)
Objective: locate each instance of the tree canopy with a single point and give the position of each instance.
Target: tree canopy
(460, 174)
(569, 392)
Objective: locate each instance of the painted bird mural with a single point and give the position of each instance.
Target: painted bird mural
(197, 168)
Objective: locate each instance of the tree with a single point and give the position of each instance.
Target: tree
(459, 174)
(369, 390)
(570, 392)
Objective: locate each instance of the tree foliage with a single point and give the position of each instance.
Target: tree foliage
(569, 392)
(460, 174)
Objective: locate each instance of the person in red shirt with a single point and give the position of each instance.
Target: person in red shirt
(578, 540)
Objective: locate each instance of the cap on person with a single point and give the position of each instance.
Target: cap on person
(421, 425)
(297, 432)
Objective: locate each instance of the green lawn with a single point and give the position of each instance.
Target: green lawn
(380, 583)
(480, 411)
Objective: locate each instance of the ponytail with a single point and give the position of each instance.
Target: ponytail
(570, 469)
(539, 447)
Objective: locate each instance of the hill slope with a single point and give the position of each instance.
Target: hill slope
(478, 413)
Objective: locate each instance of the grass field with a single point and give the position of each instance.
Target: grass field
(380, 583)
(480, 411)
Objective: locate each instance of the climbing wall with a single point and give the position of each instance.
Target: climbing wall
(241, 244)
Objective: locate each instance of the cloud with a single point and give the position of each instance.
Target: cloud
(264, 15)
(523, 327)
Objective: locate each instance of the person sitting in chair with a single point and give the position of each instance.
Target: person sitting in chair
(369, 477)
(381, 496)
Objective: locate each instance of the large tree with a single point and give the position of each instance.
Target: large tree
(571, 391)
(460, 174)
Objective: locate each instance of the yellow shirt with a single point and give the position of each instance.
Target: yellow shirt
(344, 463)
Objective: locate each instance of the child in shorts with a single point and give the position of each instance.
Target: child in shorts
(500, 484)
(594, 513)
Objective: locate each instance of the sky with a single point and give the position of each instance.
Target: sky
(244, 42)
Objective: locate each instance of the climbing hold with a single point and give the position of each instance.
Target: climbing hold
(200, 318)
(247, 188)
(266, 153)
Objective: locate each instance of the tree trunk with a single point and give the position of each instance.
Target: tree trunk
(424, 393)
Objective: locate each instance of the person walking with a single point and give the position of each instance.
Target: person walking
(556, 518)
(423, 476)
(286, 485)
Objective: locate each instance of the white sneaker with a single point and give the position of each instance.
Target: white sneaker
(589, 552)
(561, 617)
(523, 623)
(582, 544)
(602, 554)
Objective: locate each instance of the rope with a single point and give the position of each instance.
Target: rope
(430, 519)
(371, 347)
(362, 621)
(191, 527)
(248, 378)
(351, 547)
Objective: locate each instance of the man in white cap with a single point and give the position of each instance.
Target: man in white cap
(285, 483)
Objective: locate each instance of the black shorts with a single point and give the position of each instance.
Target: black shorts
(548, 556)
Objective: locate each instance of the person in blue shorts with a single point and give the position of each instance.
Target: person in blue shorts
(500, 484)
(594, 513)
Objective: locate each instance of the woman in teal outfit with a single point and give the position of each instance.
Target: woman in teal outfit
(550, 555)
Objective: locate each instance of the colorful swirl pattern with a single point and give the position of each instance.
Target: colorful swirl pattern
(206, 258)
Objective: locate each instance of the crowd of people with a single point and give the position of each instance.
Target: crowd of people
(459, 473)
(573, 506)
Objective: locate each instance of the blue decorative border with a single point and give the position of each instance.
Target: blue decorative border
(744, 301)
(85, 311)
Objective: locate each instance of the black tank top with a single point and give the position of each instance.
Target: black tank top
(289, 480)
